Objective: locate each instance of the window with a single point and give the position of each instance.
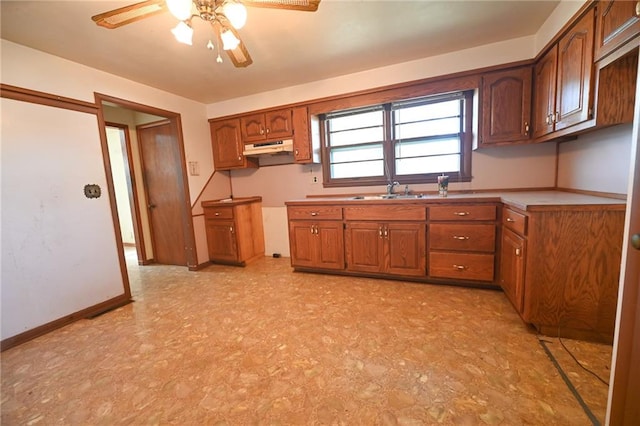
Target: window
(410, 141)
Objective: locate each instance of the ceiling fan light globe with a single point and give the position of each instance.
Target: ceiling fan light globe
(229, 40)
(181, 9)
(236, 13)
(183, 33)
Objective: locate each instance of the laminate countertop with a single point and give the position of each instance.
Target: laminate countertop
(523, 200)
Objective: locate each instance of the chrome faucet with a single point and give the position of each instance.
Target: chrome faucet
(390, 187)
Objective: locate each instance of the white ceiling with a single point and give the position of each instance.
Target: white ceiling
(287, 47)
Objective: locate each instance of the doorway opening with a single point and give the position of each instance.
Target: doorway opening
(148, 174)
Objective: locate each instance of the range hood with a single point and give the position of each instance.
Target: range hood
(274, 147)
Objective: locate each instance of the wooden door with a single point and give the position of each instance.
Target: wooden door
(253, 128)
(617, 23)
(301, 139)
(364, 246)
(544, 93)
(506, 106)
(512, 260)
(227, 144)
(329, 244)
(163, 178)
(405, 245)
(221, 240)
(625, 384)
(575, 70)
(302, 239)
(278, 124)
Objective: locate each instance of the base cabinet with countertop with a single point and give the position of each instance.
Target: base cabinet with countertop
(559, 267)
(234, 230)
(555, 254)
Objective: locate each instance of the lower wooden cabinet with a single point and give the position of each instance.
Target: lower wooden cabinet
(560, 268)
(234, 230)
(317, 244)
(396, 248)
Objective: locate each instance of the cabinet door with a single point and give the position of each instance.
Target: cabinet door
(221, 240)
(506, 106)
(253, 128)
(364, 246)
(329, 238)
(617, 23)
(278, 124)
(575, 69)
(301, 139)
(227, 144)
(544, 93)
(512, 268)
(405, 244)
(302, 241)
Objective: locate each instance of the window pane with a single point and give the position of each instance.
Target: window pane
(427, 147)
(443, 126)
(427, 112)
(360, 169)
(350, 137)
(420, 165)
(355, 121)
(356, 153)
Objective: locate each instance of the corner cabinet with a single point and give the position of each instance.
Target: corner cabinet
(506, 107)
(227, 145)
(234, 230)
(316, 237)
(617, 22)
(563, 80)
(559, 267)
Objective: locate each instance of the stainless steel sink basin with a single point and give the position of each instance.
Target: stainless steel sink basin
(388, 197)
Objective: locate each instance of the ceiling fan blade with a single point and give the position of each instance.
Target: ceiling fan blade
(128, 14)
(303, 5)
(239, 56)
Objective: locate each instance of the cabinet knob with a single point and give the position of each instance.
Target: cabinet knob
(510, 220)
(239, 157)
(380, 231)
(460, 237)
(297, 152)
(459, 267)
(312, 229)
(635, 241)
(638, 8)
(526, 128)
(268, 130)
(231, 229)
(217, 213)
(314, 213)
(518, 251)
(261, 131)
(461, 213)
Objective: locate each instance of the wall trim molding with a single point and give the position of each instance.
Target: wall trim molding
(48, 99)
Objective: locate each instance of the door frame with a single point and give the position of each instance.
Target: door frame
(176, 127)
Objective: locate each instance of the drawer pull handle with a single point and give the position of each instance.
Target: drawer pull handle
(510, 219)
(461, 213)
(217, 214)
(460, 237)
(314, 213)
(231, 229)
(459, 267)
(312, 229)
(380, 231)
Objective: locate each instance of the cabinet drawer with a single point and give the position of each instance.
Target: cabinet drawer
(462, 212)
(389, 212)
(515, 221)
(464, 266)
(315, 212)
(218, 212)
(462, 237)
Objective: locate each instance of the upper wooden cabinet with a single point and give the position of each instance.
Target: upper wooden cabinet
(267, 126)
(506, 106)
(302, 152)
(617, 23)
(227, 145)
(563, 80)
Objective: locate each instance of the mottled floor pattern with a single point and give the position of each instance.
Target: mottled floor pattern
(265, 345)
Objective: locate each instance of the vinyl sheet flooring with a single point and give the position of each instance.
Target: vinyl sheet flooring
(263, 345)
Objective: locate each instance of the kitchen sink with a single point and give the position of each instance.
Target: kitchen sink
(388, 197)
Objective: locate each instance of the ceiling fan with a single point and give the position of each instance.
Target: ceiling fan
(225, 16)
